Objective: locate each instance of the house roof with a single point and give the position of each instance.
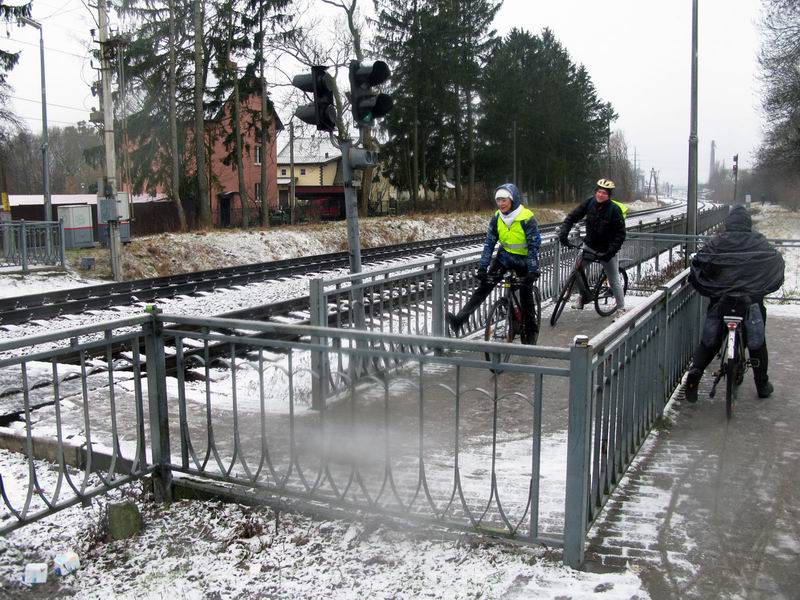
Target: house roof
(316, 150)
(217, 118)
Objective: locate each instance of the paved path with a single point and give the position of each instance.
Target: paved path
(711, 508)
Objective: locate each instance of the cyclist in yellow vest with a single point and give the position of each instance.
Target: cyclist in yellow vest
(515, 228)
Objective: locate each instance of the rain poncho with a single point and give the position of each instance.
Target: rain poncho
(737, 262)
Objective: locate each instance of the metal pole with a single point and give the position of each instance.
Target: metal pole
(353, 236)
(691, 195)
(514, 152)
(114, 242)
(48, 210)
(292, 201)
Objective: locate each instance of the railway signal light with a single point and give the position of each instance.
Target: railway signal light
(322, 112)
(735, 164)
(368, 104)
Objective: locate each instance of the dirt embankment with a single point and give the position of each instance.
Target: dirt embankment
(170, 253)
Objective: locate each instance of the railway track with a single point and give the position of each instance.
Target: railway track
(20, 309)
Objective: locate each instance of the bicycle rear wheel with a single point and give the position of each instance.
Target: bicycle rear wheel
(731, 386)
(500, 327)
(604, 302)
(563, 298)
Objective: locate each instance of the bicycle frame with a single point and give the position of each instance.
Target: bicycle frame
(733, 363)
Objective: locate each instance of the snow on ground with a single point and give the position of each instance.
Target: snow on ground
(209, 549)
(204, 549)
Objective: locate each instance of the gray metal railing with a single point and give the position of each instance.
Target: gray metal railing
(26, 244)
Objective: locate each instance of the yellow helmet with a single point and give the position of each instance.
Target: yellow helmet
(606, 184)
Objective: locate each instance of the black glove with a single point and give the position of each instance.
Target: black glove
(481, 275)
(531, 278)
(563, 238)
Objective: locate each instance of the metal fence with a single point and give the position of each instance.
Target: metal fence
(31, 243)
(445, 436)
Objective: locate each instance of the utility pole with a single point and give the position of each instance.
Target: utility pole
(292, 201)
(635, 176)
(110, 178)
(691, 193)
(48, 207)
(514, 151)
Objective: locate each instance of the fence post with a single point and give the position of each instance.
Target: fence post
(157, 405)
(578, 462)
(556, 269)
(319, 316)
(439, 294)
(23, 235)
(61, 244)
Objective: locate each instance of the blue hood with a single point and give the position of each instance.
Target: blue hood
(517, 197)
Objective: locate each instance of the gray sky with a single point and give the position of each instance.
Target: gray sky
(637, 53)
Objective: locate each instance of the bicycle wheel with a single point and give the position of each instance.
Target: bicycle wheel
(731, 385)
(604, 302)
(500, 327)
(537, 314)
(563, 298)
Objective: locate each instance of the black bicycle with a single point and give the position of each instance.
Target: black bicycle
(602, 295)
(506, 320)
(733, 364)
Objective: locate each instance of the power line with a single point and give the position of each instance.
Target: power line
(46, 48)
(50, 104)
(49, 120)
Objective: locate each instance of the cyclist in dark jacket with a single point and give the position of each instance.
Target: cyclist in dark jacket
(605, 234)
(735, 269)
(515, 228)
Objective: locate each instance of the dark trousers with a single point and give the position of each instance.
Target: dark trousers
(704, 354)
(495, 273)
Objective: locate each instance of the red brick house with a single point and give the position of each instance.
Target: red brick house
(226, 208)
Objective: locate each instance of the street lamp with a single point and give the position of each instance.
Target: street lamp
(48, 210)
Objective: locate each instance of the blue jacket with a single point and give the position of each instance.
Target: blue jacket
(508, 260)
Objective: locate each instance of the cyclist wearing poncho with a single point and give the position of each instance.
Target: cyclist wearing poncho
(735, 269)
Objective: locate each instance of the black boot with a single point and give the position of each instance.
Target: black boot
(454, 323)
(764, 388)
(692, 382)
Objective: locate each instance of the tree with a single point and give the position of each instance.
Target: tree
(199, 117)
(778, 160)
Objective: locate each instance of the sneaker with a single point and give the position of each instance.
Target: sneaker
(578, 304)
(620, 313)
(454, 323)
(764, 389)
(690, 385)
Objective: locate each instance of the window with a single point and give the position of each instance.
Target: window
(258, 155)
(302, 171)
(283, 171)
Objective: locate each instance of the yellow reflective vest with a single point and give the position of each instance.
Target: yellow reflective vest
(512, 239)
(622, 207)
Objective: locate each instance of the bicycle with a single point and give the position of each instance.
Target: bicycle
(600, 294)
(733, 364)
(501, 328)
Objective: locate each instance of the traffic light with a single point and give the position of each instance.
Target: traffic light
(322, 112)
(735, 164)
(368, 105)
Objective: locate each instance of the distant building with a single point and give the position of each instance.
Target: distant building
(317, 174)
(226, 207)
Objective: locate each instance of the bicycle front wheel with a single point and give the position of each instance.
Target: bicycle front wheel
(500, 327)
(537, 315)
(563, 298)
(604, 302)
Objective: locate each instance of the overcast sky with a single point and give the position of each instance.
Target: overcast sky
(637, 53)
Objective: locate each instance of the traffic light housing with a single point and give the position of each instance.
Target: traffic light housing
(367, 104)
(322, 112)
(735, 164)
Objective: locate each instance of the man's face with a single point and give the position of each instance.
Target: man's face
(601, 195)
(504, 204)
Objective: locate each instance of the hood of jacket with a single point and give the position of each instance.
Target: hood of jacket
(738, 220)
(516, 197)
